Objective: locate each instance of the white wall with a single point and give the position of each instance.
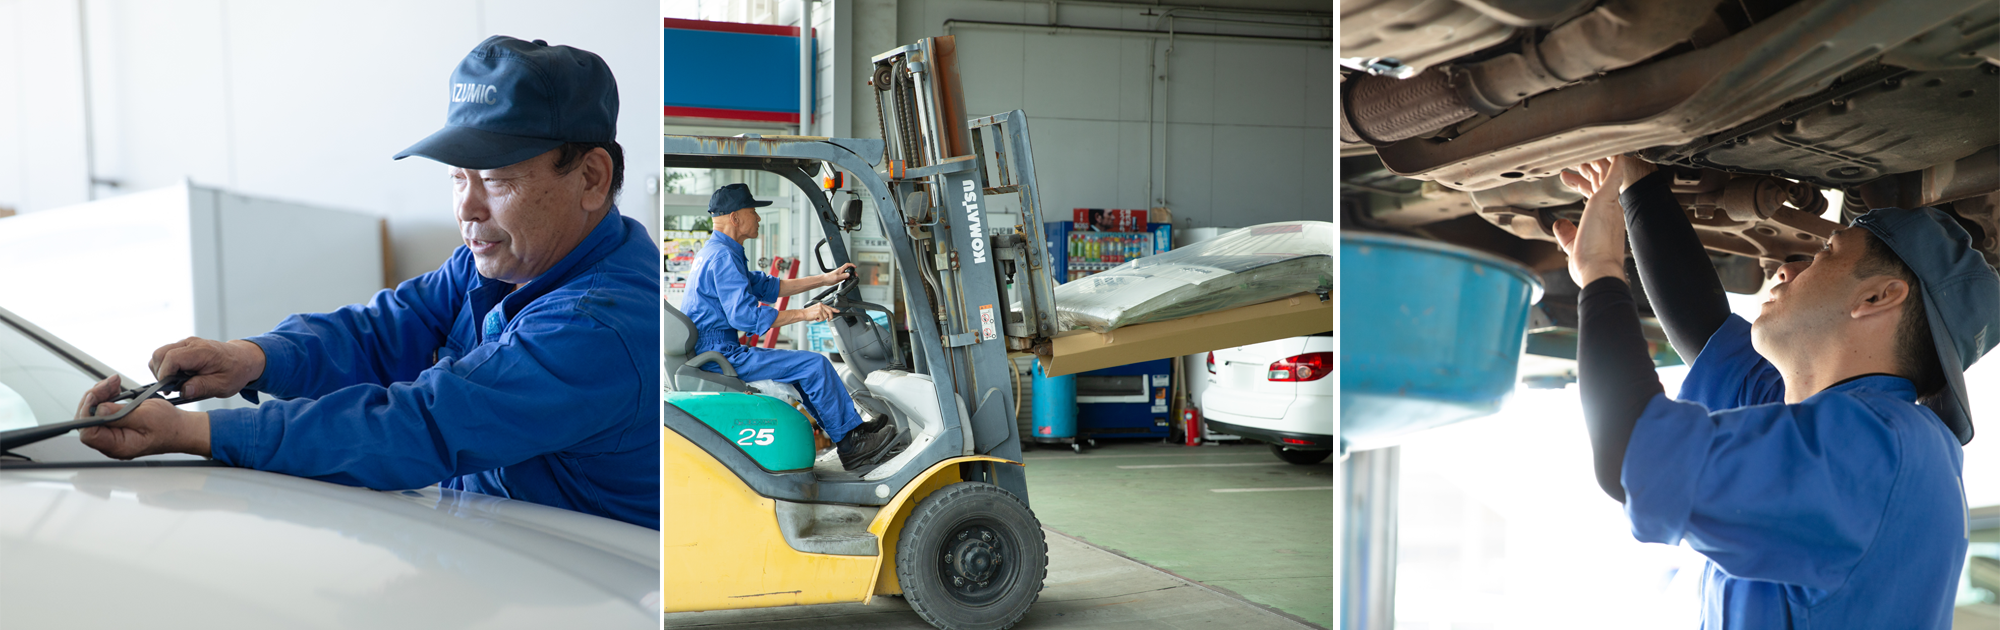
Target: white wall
(1240, 132)
(295, 100)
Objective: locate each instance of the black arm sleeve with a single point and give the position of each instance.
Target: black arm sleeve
(1614, 375)
(1673, 266)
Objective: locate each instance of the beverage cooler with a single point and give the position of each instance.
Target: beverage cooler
(1127, 401)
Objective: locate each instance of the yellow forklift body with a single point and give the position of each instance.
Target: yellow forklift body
(721, 548)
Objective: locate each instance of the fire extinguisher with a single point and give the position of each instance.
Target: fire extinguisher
(1191, 425)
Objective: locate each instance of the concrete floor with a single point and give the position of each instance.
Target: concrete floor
(1086, 588)
(1268, 538)
(1139, 539)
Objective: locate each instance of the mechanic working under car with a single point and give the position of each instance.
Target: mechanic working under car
(526, 367)
(1813, 456)
(723, 296)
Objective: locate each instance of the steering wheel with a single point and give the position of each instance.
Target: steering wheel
(832, 294)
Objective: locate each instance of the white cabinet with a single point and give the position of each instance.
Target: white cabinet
(121, 277)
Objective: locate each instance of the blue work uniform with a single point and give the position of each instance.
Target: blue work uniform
(548, 393)
(723, 296)
(1845, 510)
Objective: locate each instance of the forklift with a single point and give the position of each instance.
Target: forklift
(751, 520)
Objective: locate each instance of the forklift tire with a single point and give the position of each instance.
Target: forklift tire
(971, 557)
(1302, 458)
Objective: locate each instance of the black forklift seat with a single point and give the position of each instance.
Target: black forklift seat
(684, 372)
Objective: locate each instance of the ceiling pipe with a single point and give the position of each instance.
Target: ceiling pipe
(1133, 32)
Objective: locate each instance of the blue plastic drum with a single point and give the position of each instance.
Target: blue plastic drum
(1430, 334)
(1055, 407)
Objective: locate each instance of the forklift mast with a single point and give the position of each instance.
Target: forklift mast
(991, 288)
(972, 294)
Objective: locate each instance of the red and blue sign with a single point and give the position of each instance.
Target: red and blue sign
(732, 71)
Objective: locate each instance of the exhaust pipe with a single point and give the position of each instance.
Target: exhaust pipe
(1614, 35)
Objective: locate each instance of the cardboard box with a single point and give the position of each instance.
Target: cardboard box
(1082, 350)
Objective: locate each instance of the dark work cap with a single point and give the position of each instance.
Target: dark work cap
(1961, 297)
(731, 198)
(510, 100)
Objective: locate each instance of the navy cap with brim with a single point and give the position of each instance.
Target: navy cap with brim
(1961, 296)
(466, 147)
(731, 198)
(510, 100)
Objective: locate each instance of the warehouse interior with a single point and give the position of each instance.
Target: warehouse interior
(1183, 121)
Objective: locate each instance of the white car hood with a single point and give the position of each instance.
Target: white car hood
(213, 547)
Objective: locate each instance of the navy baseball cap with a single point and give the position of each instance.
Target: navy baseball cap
(731, 198)
(1961, 297)
(511, 100)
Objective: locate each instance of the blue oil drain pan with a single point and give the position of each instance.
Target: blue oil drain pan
(1430, 334)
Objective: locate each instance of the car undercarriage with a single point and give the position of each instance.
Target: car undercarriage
(1781, 120)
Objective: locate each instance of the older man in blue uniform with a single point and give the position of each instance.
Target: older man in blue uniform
(724, 298)
(1814, 456)
(525, 367)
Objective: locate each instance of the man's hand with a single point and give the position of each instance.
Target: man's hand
(220, 369)
(1596, 249)
(818, 313)
(808, 283)
(155, 427)
(1622, 170)
(813, 313)
(834, 277)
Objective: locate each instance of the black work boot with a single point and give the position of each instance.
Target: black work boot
(862, 448)
(874, 425)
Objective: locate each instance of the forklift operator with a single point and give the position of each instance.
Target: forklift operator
(723, 296)
(1814, 456)
(525, 367)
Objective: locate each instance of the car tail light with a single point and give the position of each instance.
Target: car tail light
(1211, 363)
(1310, 366)
(1298, 441)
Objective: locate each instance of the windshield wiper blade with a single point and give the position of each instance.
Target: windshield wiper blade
(10, 440)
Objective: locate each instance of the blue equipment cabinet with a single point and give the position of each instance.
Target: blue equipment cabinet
(1127, 401)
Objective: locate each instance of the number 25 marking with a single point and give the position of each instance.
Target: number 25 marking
(760, 437)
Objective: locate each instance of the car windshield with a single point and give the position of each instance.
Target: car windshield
(38, 385)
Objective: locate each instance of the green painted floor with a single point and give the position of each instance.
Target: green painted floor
(1272, 545)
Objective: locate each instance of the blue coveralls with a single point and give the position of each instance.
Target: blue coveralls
(1845, 510)
(549, 393)
(722, 298)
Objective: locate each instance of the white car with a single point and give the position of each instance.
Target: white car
(1276, 392)
(178, 541)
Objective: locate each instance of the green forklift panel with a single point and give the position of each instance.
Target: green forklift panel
(769, 430)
